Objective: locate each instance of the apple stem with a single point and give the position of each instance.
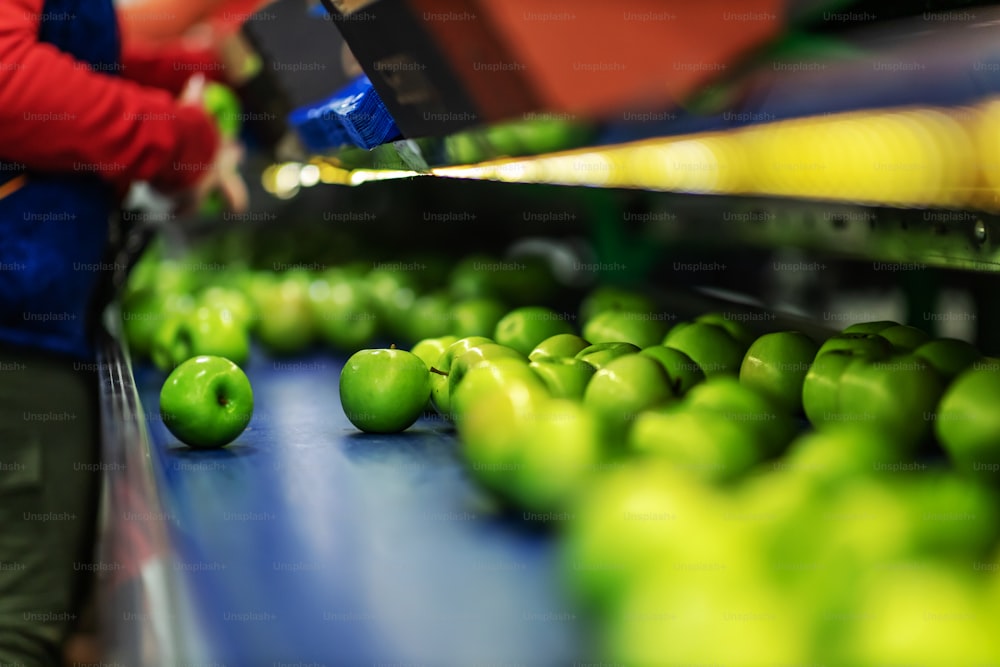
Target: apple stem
(223, 400)
(438, 372)
(392, 346)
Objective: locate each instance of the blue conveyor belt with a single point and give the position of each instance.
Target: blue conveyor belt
(306, 542)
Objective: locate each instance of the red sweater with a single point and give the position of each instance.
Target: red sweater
(126, 128)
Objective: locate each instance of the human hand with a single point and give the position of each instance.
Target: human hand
(222, 175)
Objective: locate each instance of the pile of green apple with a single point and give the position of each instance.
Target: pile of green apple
(727, 498)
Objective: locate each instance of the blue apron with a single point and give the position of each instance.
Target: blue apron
(54, 227)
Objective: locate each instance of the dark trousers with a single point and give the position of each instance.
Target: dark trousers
(49, 484)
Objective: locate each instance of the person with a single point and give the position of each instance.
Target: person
(81, 117)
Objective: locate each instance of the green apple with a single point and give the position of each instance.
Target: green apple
(711, 347)
(904, 338)
(671, 617)
(342, 311)
(609, 297)
(564, 377)
(948, 356)
(957, 517)
(430, 316)
(145, 311)
(393, 293)
(475, 355)
(733, 327)
(559, 346)
(637, 516)
(168, 348)
(681, 369)
(922, 614)
(477, 316)
(441, 368)
(623, 388)
(600, 354)
(841, 452)
(206, 402)
(215, 332)
(897, 396)
(752, 410)
(821, 387)
(471, 279)
(697, 441)
(776, 364)
(968, 422)
(674, 330)
(524, 328)
(286, 323)
(233, 300)
(430, 350)
(560, 452)
(384, 391)
(611, 326)
(869, 327)
(867, 345)
(497, 400)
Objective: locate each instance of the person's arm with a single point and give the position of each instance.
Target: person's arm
(169, 66)
(58, 115)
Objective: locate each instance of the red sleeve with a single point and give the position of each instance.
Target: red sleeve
(168, 66)
(58, 115)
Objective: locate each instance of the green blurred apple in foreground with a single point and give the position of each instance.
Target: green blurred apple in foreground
(206, 402)
(384, 391)
(968, 422)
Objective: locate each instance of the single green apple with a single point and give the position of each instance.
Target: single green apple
(559, 346)
(215, 332)
(600, 354)
(430, 350)
(684, 373)
(145, 311)
(821, 387)
(623, 388)
(904, 338)
(169, 348)
(476, 316)
(897, 396)
(206, 402)
(697, 441)
(430, 316)
(642, 329)
(609, 297)
(750, 409)
(286, 323)
(524, 328)
(233, 300)
(477, 354)
(564, 377)
(560, 453)
(711, 347)
(393, 293)
(342, 311)
(948, 356)
(871, 346)
(738, 330)
(384, 391)
(968, 422)
(869, 327)
(636, 516)
(674, 330)
(776, 364)
(497, 400)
